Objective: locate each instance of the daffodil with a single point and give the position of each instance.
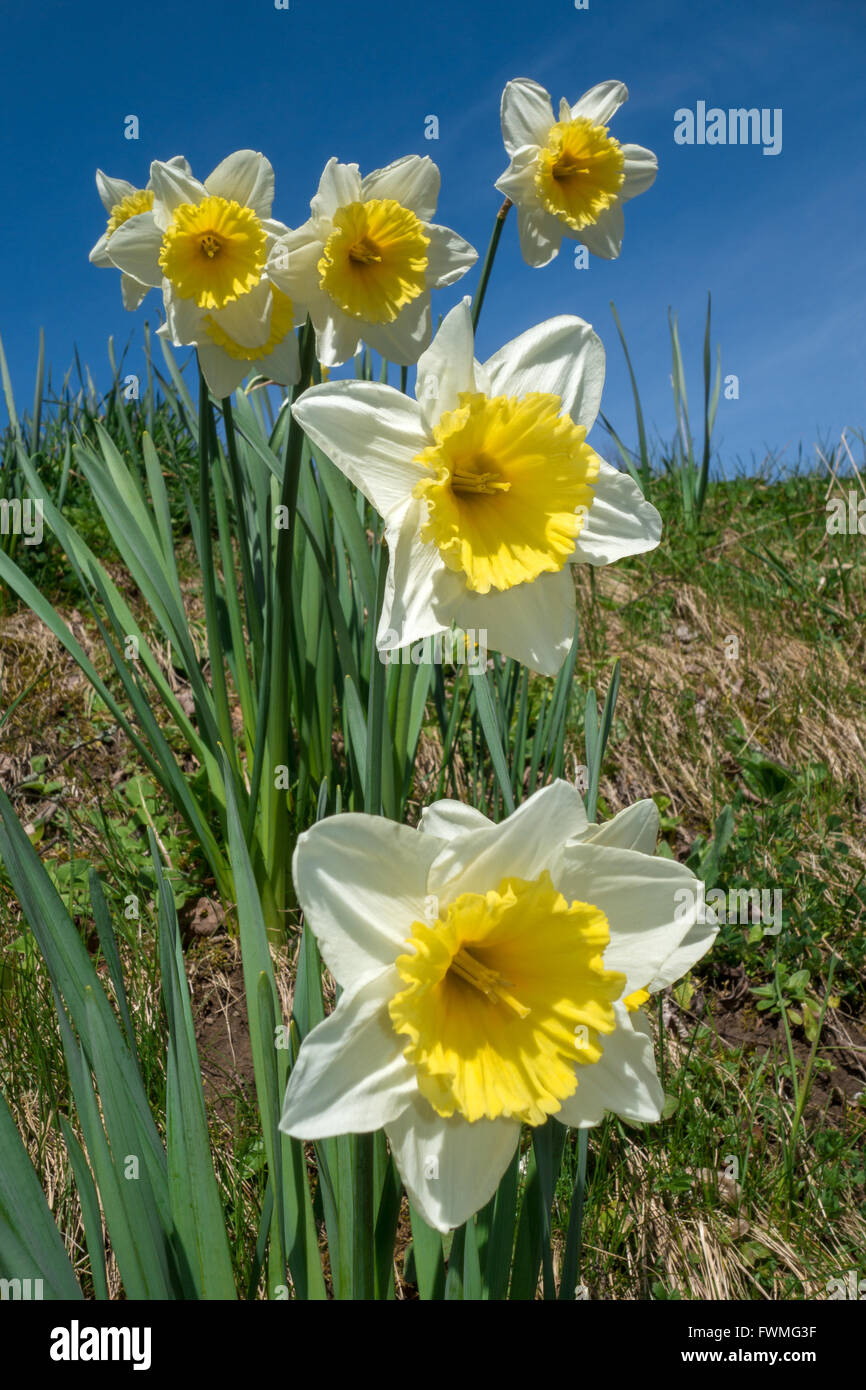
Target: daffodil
(569, 177)
(365, 262)
(121, 201)
(489, 977)
(486, 484)
(207, 245)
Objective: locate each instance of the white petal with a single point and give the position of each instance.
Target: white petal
(604, 237)
(448, 256)
(172, 186)
(248, 319)
(351, 1076)
(362, 882)
(518, 180)
(412, 181)
(283, 364)
(420, 591)
(186, 321)
(178, 161)
(641, 167)
(447, 366)
(601, 102)
(293, 263)
(624, 1080)
(526, 113)
(637, 827)
(521, 846)
(248, 178)
(482, 378)
(650, 904)
(221, 372)
(274, 230)
(134, 249)
(697, 942)
(132, 292)
(339, 184)
(449, 819)
(562, 356)
(405, 339)
(371, 431)
(112, 191)
(338, 337)
(467, 1161)
(620, 521)
(534, 622)
(540, 236)
(99, 255)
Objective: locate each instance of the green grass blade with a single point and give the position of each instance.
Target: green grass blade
(37, 395)
(643, 480)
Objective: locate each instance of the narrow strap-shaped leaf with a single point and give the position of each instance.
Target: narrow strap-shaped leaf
(492, 735)
(90, 1213)
(30, 1244)
(427, 1257)
(290, 1234)
(108, 942)
(454, 1278)
(497, 1264)
(573, 1241)
(597, 735)
(195, 1201)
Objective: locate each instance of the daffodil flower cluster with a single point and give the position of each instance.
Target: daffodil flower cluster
(235, 282)
(491, 974)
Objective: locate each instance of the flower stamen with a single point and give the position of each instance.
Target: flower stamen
(488, 982)
(365, 252)
(466, 479)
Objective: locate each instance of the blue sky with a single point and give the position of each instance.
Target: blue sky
(779, 240)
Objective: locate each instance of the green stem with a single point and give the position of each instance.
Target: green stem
(376, 712)
(280, 740)
(488, 262)
(251, 608)
(215, 649)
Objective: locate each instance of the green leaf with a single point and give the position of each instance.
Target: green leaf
(492, 735)
(427, 1257)
(30, 1244)
(195, 1201)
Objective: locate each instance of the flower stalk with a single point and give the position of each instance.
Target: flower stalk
(478, 300)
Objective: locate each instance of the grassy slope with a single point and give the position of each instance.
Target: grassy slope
(771, 727)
